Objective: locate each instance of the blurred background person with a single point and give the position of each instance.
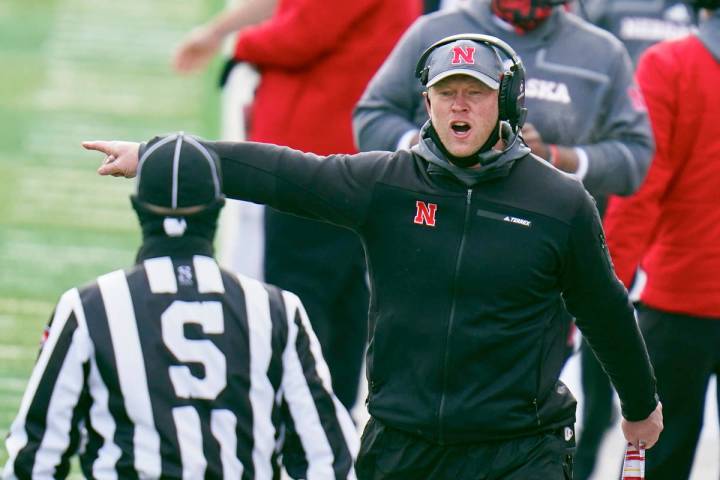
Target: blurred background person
(671, 228)
(238, 81)
(315, 60)
(638, 24)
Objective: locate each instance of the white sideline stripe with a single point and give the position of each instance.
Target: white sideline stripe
(24, 307)
(13, 352)
(12, 385)
(187, 423)
(209, 278)
(161, 275)
(131, 371)
(261, 393)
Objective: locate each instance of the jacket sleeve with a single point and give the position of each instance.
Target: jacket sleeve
(630, 222)
(322, 424)
(386, 110)
(618, 162)
(300, 33)
(336, 188)
(45, 432)
(600, 304)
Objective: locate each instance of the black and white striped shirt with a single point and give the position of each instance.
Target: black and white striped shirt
(179, 369)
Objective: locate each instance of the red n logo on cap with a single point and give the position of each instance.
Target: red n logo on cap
(463, 55)
(425, 214)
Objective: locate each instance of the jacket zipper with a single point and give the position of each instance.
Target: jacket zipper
(452, 318)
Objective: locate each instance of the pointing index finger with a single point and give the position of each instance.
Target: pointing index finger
(98, 145)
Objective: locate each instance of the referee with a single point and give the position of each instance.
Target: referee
(177, 368)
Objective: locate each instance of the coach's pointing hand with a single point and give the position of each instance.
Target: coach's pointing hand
(121, 157)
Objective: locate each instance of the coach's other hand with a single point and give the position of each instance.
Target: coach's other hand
(644, 433)
(121, 157)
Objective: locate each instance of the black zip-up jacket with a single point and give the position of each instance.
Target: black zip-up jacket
(472, 288)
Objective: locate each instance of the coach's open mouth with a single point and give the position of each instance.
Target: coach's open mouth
(461, 129)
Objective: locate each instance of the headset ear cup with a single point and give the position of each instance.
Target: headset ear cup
(512, 97)
(518, 96)
(505, 99)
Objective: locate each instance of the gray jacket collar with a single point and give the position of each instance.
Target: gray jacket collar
(495, 163)
(710, 34)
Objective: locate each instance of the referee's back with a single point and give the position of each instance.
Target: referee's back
(179, 369)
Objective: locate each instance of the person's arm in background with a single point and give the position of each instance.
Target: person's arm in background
(630, 222)
(203, 42)
(618, 163)
(385, 114)
(568, 159)
(604, 315)
(296, 36)
(325, 430)
(45, 432)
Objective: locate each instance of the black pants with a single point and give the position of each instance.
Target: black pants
(390, 454)
(685, 352)
(597, 412)
(325, 266)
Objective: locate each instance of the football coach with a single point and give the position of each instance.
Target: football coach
(479, 253)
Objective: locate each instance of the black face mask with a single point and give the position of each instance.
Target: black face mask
(525, 15)
(468, 161)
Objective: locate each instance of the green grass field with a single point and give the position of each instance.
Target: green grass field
(75, 70)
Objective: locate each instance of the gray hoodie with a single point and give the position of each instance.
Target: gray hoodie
(493, 163)
(580, 92)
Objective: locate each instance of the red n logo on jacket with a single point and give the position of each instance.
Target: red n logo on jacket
(425, 214)
(463, 55)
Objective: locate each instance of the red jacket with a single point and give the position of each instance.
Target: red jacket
(316, 57)
(671, 226)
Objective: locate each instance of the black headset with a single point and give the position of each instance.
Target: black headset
(511, 95)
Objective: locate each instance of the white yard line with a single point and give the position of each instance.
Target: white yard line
(14, 352)
(10, 384)
(24, 307)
